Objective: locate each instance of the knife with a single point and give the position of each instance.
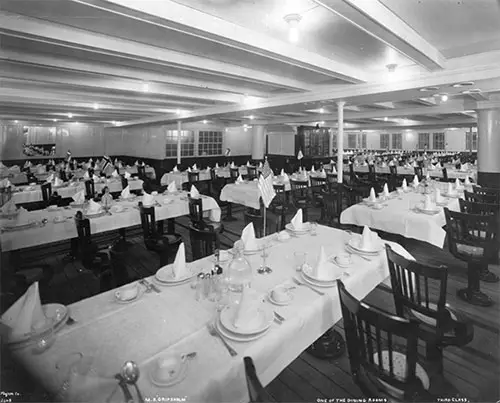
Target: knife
(151, 285)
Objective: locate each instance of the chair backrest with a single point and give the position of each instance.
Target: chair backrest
(62, 175)
(203, 242)
(234, 173)
(412, 287)
(91, 172)
(280, 198)
(193, 177)
(46, 191)
(148, 222)
(318, 184)
(471, 230)
(299, 189)
(256, 391)
(213, 174)
(488, 195)
(365, 327)
(90, 188)
(332, 206)
(141, 171)
(83, 230)
(471, 207)
(251, 173)
(256, 219)
(124, 181)
(445, 174)
(419, 172)
(196, 212)
(393, 169)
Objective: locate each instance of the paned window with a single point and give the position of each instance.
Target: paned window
(438, 141)
(397, 141)
(352, 140)
(423, 141)
(471, 140)
(209, 143)
(384, 141)
(187, 143)
(363, 140)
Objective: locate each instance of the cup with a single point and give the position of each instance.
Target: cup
(280, 294)
(43, 335)
(343, 259)
(314, 228)
(300, 260)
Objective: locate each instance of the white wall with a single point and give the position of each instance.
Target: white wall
(281, 140)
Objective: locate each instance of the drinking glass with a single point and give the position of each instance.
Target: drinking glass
(314, 228)
(300, 260)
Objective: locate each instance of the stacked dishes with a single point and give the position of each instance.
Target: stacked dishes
(373, 249)
(326, 280)
(429, 211)
(165, 276)
(260, 324)
(306, 227)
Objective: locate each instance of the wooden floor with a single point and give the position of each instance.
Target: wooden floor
(473, 370)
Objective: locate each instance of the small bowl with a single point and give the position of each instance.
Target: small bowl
(128, 293)
(167, 368)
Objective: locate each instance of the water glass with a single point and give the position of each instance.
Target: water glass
(314, 228)
(300, 260)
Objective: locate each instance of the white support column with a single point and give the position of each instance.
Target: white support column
(340, 141)
(330, 142)
(258, 142)
(179, 129)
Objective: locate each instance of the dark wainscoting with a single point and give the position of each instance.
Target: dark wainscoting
(489, 179)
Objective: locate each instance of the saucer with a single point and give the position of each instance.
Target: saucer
(282, 303)
(344, 266)
(140, 291)
(179, 374)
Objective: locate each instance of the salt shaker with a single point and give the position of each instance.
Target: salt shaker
(200, 287)
(207, 285)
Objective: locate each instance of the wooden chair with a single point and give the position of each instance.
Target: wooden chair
(251, 173)
(439, 325)
(331, 180)
(46, 193)
(203, 242)
(256, 391)
(63, 176)
(488, 195)
(279, 206)
(141, 172)
(300, 196)
(193, 178)
(197, 219)
(89, 189)
(381, 367)
(419, 172)
(155, 241)
(473, 238)
(332, 207)
(95, 260)
(393, 182)
(91, 172)
(234, 173)
(318, 189)
(124, 181)
(256, 217)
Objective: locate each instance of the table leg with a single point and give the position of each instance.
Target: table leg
(472, 294)
(171, 226)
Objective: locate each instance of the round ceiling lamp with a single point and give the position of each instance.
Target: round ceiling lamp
(293, 21)
(429, 89)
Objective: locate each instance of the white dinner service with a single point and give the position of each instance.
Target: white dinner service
(280, 295)
(169, 370)
(128, 293)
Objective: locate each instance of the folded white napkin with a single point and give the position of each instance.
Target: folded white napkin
(127, 175)
(364, 164)
(120, 165)
(179, 266)
(90, 160)
(373, 196)
(208, 169)
(451, 191)
(414, 165)
(334, 170)
(368, 239)
(115, 174)
(384, 165)
(172, 187)
(240, 179)
(58, 182)
(232, 165)
(195, 168)
(93, 207)
(312, 169)
(125, 194)
(247, 312)
(297, 222)
(79, 198)
(260, 165)
(23, 217)
(428, 176)
(428, 204)
(189, 169)
(415, 181)
(216, 165)
(386, 190)
(50, 178)
(404, 185)
(475, 162)
(322, 174)
(248, 164)
(9, 207)
(26, 313)
(86, 175)
(248, 238)
(286, 178)
(439, 198)
(116, 162)
(194, 193)
(322, 270)
(2, 165)
(147, 199)
(458, 184)
(282, 173)
(95, 178)
(464, 167)
(175, 169)
(136, 163)
(467, 181)
(332, 162)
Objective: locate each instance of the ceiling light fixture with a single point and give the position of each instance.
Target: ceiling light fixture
(114, 123)
(321, 110)
(54, 120)
(293, 21)
(178, 111)
(444, 97)
(391, 67)
(386, 119)
(204, 122)
(145, 87)
(16, 121)
(465, 84)
(96, 106)
(429, 89)
(70, 115)
(251, 117)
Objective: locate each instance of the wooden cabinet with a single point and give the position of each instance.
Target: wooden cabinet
(313, 142)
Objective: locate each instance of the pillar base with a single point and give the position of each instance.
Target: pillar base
(489, 179)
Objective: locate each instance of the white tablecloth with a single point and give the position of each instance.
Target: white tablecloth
(173, 322)
(35, 195)
(246, 193)
(52, 232)
(397, 218)
(182, 177)
(435, 173)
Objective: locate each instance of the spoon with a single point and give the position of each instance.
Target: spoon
(130, 373)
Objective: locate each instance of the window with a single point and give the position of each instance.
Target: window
(423, 141)
(352, 140)
(397, 141)
(471, 141)
(384, 141)
(363, 140)
(187, 143)
(209, 143)
(438, 141)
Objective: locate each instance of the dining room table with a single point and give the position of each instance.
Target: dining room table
(33, 193)
(452, 172)
(55, 224)
(400, 213)
(172, 323)
(180, 177)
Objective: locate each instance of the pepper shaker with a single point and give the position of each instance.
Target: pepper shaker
(200, 287)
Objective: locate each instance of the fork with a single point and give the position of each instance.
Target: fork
(308, 286)
(213, 332)
(147, 285)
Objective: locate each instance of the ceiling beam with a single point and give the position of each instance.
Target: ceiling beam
(479, 96)
(62, 35)
(384, 105)
(380, 22)
(190, 21)
(115, 70)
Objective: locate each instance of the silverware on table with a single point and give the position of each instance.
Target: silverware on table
(126, 392)
(130, 373)
(70, 321)
(213, 332)
(298, 282)
(149, 286)
(280, 318)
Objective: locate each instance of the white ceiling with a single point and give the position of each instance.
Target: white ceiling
(228, 60)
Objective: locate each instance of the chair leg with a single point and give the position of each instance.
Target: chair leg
(472, 294)
(434, 355)
(487, 276)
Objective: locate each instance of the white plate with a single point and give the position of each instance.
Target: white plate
(305, 229)
(181, 375)
(57, 311)
(353, 251)
(282, 303)
(308, 272)
(227, 315)
(96, 214)
(19, 226)
(452, 195)
(428, 212)
(370, 202)
(238, 337)
(140, 292)
(53, 208)
(316, 283)
(166, 275)
(59, 220)
(354, 243)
